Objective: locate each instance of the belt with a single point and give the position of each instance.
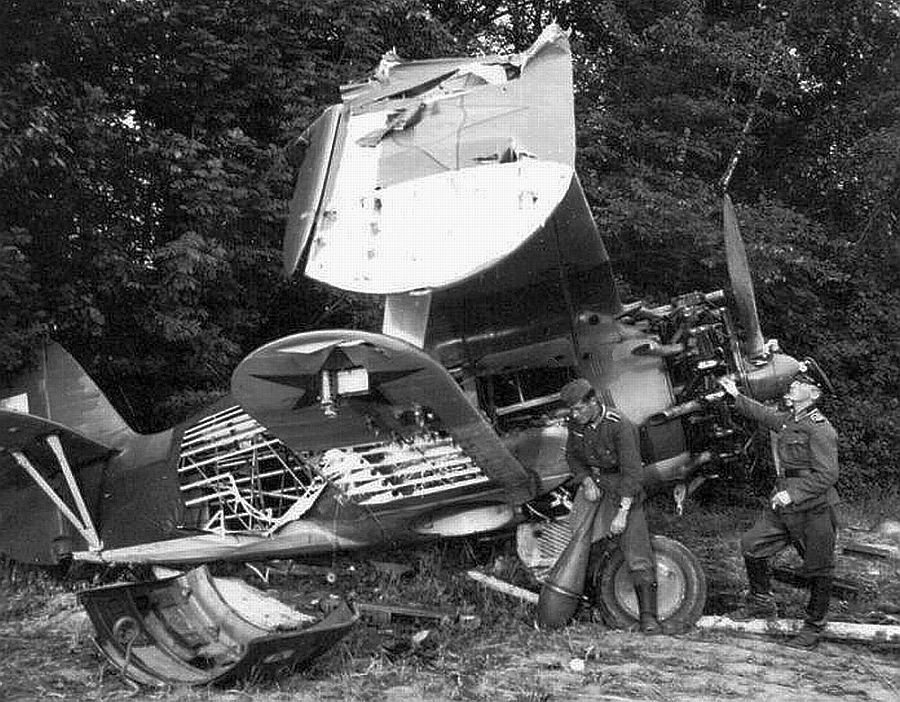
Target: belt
(798, 473)
(605, 470)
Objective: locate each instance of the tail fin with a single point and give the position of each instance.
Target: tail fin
(60, 390)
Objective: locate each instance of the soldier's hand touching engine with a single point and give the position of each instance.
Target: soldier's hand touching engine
(782, 498)
(592, 493)
(729, 386)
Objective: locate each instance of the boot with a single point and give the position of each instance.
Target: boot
(760, 601)
(647, 607)
(816, 614)
(674, 626)
(808, 636)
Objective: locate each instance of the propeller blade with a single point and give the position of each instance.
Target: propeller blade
(741, 282)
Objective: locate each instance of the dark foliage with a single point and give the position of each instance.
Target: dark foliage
(144, 178)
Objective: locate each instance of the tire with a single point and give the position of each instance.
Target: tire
(682, 585)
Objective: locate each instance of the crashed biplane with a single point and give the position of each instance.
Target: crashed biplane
(448, 187)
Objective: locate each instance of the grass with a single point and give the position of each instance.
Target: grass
(868, 512)
(452, 662)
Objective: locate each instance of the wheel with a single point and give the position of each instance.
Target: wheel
(126, 631)
(682, 584)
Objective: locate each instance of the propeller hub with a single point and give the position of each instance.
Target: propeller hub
(772, 379)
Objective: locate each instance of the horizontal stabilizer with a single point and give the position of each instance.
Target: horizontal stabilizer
(26, 433)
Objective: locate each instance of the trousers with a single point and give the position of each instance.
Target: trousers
(634, 541)
(811, 531)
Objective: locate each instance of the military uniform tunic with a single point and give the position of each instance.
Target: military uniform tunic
(607, 449)
(807, 451)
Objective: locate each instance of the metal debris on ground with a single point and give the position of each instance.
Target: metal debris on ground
(384, 613)
(194, 629)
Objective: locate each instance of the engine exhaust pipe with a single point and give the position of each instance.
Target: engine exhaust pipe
(675, 412)
(685, 408)
(675, 469)
(658, 350)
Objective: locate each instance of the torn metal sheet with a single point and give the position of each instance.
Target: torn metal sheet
(194, 629)
(405, 192)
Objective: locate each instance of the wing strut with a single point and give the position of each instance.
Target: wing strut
(84, 524)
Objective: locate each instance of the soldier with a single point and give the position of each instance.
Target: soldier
(801, 510)
(603, 455)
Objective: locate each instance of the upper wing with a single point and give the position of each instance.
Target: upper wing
(437, 171)
(398, 393)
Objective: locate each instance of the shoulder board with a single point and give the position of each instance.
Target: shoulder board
(613, 416)
(816, 416)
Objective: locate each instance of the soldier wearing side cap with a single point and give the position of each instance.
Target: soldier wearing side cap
(604, 457)
(801, 510)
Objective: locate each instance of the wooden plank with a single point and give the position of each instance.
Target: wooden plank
(834, 631)
(854, 548)
(493, 583)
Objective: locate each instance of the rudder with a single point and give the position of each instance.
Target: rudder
(60, 390)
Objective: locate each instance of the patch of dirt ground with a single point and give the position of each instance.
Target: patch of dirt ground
(52, 658)
(46, 651)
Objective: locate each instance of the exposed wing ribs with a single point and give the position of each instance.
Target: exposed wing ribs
(381, 473)
(237, 478)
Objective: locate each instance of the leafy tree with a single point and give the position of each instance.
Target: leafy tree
(144, 175)
(145, 181)
(793, 105)
(805, 95)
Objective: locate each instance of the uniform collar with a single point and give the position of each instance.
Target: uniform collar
(601, 415)
(803, 414)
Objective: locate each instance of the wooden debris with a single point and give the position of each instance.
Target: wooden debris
(889, 529)
(859, 549)
(834, 631)
(504, 587)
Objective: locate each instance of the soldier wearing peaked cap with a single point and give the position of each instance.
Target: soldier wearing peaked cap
(801, 510)
(604, 456)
